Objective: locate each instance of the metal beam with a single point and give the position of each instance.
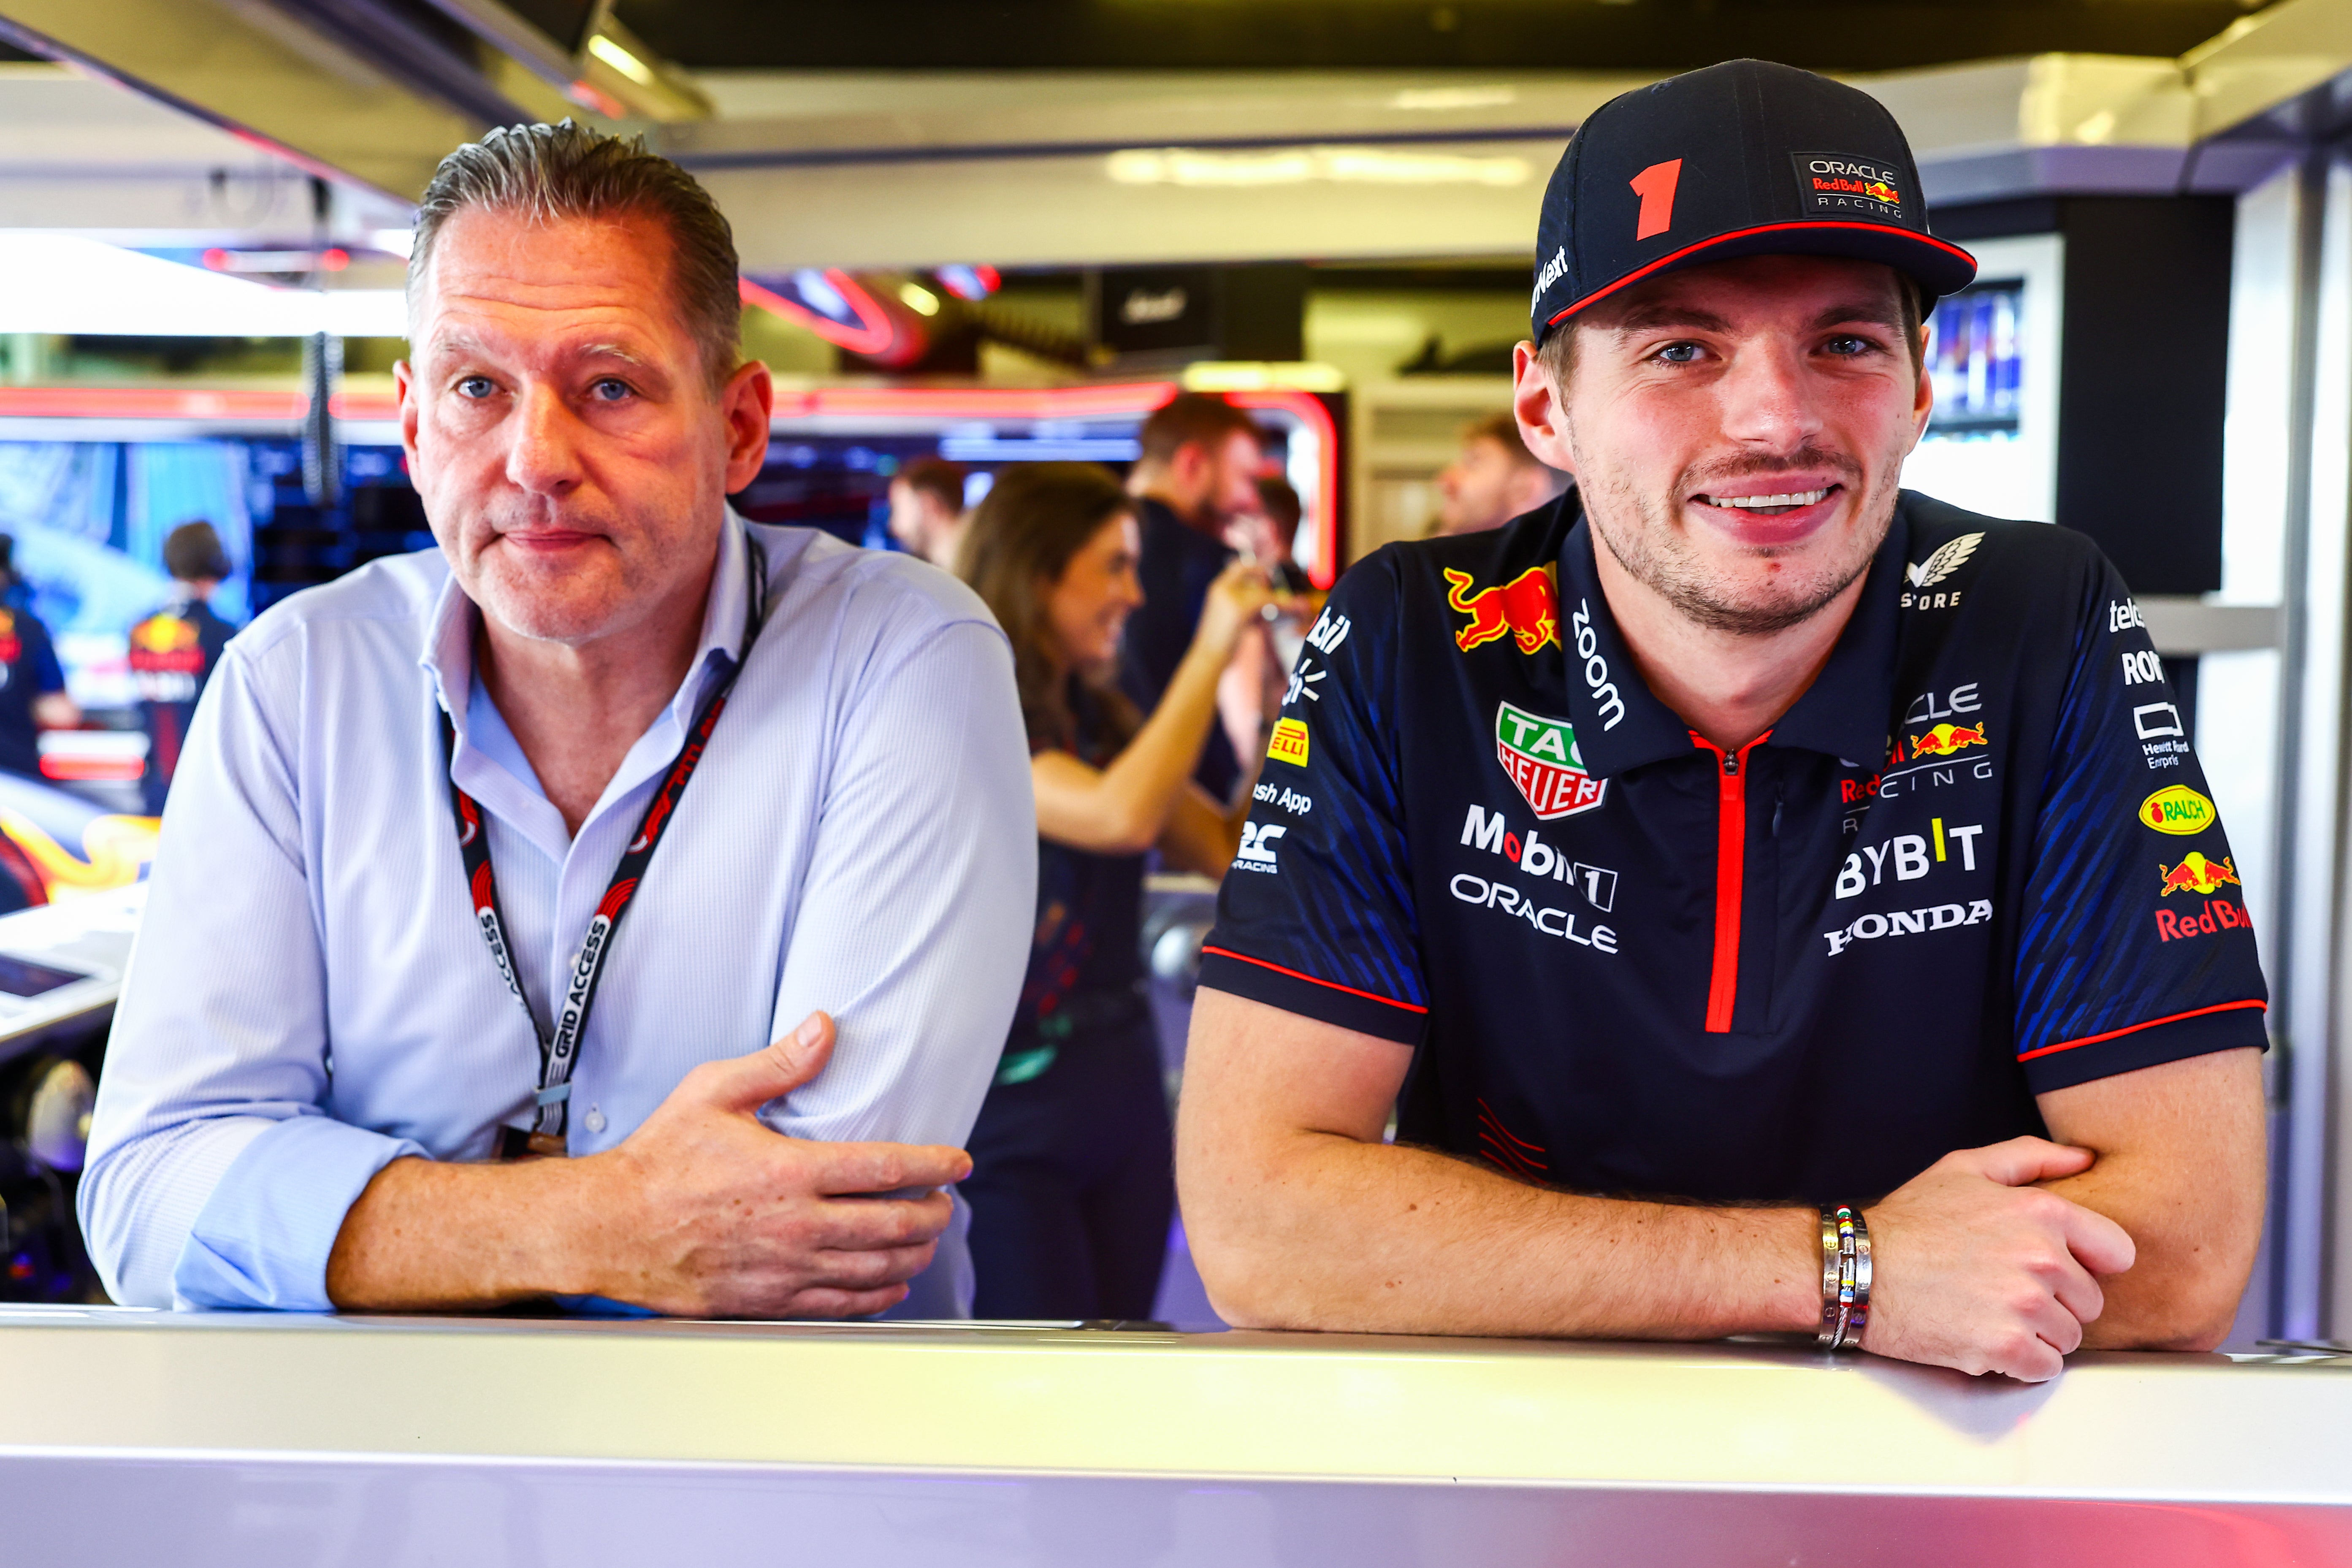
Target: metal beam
(259, 74)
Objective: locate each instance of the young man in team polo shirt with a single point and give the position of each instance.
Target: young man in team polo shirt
(1768, 899)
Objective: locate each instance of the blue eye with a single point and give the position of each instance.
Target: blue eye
(1848, 346)
(475, 387)
(611, 390)
(1678, 354)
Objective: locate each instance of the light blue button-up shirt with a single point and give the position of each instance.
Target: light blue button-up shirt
(309, 997)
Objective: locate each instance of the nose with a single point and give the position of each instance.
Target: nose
(542, 449)
(1768, 399)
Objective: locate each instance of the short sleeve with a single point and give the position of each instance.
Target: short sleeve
(2134, 945)
(1316, 916)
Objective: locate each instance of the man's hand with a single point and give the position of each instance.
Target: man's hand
(704, 1212)
(1977, 1268)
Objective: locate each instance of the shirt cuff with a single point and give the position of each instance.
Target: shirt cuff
(2201, 1031)
(1326, 1001)
(262, 1239)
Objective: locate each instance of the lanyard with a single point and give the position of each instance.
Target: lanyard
(559, 1047)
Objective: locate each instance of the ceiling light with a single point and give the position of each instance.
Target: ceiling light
(920, 299)
(1441, 97)
(1300, 166)
(69, 285)
(621, 60)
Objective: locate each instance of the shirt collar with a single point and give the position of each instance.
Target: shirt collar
(1621, 724)
(448, 658)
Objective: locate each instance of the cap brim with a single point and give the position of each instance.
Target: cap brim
(1937, 266)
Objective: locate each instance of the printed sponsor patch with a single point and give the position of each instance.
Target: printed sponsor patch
(1840, 185)
(2177, 810)
(1541, 757)
(1288, 743)
(1525, 609)
(1944, 739)
(2196, 874)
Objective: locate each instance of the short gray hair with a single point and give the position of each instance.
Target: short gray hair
(547, 173)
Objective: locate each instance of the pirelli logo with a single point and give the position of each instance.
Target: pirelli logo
(1288, 743)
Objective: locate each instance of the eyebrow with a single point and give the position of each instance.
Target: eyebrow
(461, 342)
(1651, 318)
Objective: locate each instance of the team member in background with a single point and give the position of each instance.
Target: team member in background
(173, 650)
(1494, 479)
(926, 511)
(1071, 1191)
(1196, 472)
(32, 684)
(1795, 899)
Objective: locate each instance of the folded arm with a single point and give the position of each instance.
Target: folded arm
(2181, 1164)
(1301, 1217)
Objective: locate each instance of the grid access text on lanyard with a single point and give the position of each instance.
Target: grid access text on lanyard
(559, 1047)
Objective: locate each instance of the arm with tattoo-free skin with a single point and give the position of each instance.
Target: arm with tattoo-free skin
(1992, 1259)
(701, 1211)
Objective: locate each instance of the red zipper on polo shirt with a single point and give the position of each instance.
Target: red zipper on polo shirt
(1730, 867)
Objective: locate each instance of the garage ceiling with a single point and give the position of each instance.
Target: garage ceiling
(1357, 35)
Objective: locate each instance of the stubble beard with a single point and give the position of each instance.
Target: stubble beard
(1643, 531)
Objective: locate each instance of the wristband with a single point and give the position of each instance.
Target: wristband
(1845, 1278)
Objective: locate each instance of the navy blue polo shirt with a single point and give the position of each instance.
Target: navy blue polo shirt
(1973, 863)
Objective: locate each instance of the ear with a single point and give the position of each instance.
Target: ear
(1922, 396)
(745, 403)
(1536, 403)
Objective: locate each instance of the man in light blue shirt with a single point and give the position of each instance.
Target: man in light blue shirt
(434, 886)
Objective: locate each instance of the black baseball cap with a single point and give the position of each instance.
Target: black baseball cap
(1746, 158)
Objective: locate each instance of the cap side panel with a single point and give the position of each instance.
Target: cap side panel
(1910, 236)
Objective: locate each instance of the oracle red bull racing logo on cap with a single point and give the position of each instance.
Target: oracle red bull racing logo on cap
(1837, 182)
(1525, 609)
(1541, 757)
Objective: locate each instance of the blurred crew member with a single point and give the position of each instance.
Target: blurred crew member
(545, 833)
(1782, 901)
(32, 684)
(173, 650)
(927, 514)
(1495, 479)
(1071, 1188)
(1196, 472)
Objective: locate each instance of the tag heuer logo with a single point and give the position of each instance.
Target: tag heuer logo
(1540, 755)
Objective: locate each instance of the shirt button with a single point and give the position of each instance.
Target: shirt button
(595, 1120)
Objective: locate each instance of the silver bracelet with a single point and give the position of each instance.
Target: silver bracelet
(1845, 1278)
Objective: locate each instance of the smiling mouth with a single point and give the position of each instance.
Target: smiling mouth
(1768, 505)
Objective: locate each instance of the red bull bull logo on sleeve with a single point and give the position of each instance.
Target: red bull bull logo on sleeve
(2196, 874)
(1944, 739)
(1525, 609)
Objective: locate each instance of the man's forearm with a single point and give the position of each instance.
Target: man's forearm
(1377, 1238)
(427, 1235)
(2181, 1166)
(2181, 1291)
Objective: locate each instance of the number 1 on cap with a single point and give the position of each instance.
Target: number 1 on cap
(1655, 187)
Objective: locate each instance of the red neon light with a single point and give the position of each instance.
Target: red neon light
(181, 403)
(872, 335)
(63, 767)
(1092, 401)
(1105, 402)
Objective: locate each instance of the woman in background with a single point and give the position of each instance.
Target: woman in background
(1072, 1189)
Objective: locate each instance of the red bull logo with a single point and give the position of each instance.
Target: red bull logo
(162, 634)
(1944, 739)
(2196, 874)
(1525, 609)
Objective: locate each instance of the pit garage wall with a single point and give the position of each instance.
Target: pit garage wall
(2272, 723)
